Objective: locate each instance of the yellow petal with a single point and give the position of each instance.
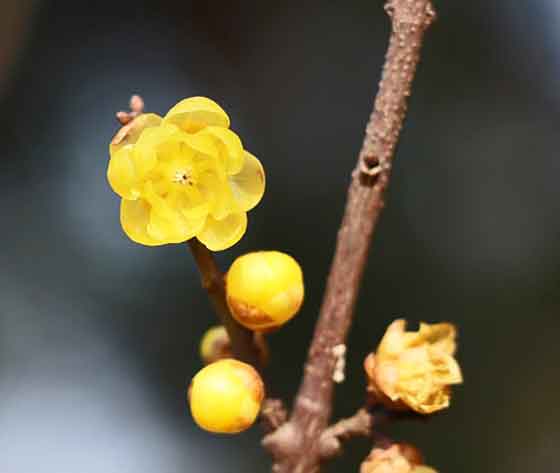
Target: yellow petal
(446, 369)
(202, 144)
(122, 175)
(135, 215)
(218, 194)
(230, 147)
(155, 144)
(219, 235)
(130, 133)
(192, 204)
(167, 222)
(392, 344)
(205, 155)
(248, 185)
(167, 230)
(195, 113)
(441, 336)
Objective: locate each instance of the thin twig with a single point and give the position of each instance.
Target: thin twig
(359, 425)
(212, 279)
(136, 105)
(295, 446)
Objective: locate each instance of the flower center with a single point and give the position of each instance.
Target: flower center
(182, 177)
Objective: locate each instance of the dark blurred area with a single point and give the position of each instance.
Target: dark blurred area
(99, 336)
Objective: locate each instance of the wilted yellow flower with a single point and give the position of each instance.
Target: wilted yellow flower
(396, 458)
(226, 396)
(264, 289)
(414, 370)
(186, 175)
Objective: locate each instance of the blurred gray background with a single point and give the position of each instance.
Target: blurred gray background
(98, 336)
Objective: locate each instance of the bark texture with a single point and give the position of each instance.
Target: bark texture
(296, 445)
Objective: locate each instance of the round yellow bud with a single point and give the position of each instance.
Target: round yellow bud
(215, 345)
(264, 289)
(225, 397)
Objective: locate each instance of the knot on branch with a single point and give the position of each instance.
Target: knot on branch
(417, 13)
(284, 442)
(372, 166)
(359, 425)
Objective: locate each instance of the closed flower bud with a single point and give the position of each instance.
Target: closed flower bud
(225, 396)
(414, 370)
(215, 345)
(395, 458)
(264, 289)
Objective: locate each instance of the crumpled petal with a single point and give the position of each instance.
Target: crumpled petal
(248, 185)
(193, 114)
(440, 336)
(135, 215)
(218, 235)
(229, 146)
(415, 368)
(394, 341)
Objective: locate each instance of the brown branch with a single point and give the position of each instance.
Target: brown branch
(359, 425)
(295, 446)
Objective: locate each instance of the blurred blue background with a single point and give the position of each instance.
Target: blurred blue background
(98, 336)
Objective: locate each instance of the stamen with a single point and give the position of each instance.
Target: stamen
(182, 177)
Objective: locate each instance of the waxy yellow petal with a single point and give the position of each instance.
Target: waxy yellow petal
(122, 175)
(167, 222)
(218, 235)
(230, 147)
(135, 215)
(218, 193)
(195, 113)
(248, 185)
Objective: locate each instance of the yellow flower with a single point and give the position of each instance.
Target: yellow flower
(226, 396)
(414, 370)
(186, 175)
(264, 289)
